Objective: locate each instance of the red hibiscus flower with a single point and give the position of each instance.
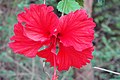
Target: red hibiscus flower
(68, 39)
(33, 30)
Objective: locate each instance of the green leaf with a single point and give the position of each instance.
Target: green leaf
(81, 2)
(67, 6)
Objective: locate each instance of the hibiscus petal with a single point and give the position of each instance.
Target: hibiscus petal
(40, 21)
(68, 57)
(49, 53)
(22, 44)
(77, 30)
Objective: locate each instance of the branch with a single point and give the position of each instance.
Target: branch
(102, 69)
(45, 71)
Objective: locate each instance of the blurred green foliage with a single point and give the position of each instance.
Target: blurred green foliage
(107, 38)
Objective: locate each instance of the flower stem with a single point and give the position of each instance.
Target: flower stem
(64, 6)
(55, 74)
(44, 1)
